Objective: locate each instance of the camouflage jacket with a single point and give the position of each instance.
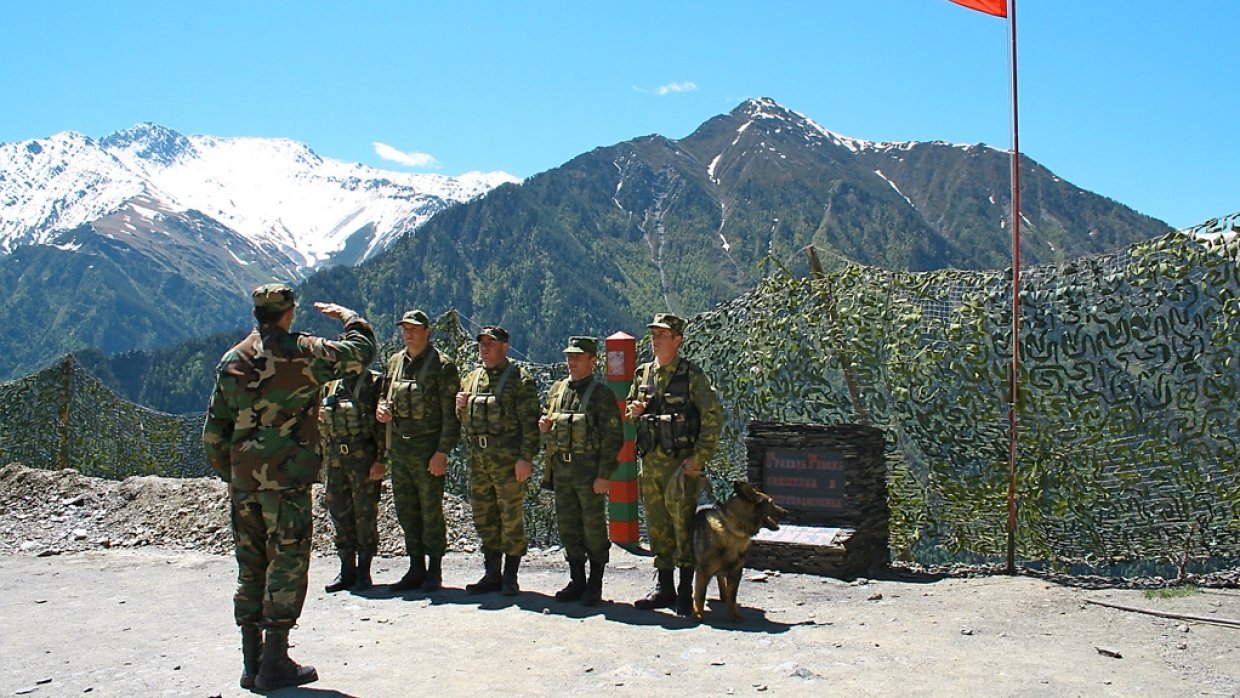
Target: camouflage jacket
(701, 394)
(442, 382)
(519, 404)
(606, 434)
(262, 430)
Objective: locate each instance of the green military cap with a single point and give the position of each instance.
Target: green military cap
(495, 332)
(581, 345)
(274, 297)
(668, 321)
(414, 317)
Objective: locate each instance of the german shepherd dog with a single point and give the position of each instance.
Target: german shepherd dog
(721, 536)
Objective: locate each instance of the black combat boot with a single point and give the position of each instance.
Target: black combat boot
(364, 581)
(509, 585)
(251, 653)
(277, 669)
(348, 573)
(434, 574)
(490, 579)
(414, 577)
(577, 582)
(594, 585)
(664, 593)
(684, 593)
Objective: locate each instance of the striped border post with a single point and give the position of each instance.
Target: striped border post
(622, 493)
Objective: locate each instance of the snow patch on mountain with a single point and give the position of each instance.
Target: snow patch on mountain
(272, 191)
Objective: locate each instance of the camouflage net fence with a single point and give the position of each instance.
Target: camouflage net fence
(1127, 405)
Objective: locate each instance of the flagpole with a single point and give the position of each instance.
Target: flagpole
(1013, 403)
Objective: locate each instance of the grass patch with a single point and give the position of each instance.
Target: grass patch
(1172, 592)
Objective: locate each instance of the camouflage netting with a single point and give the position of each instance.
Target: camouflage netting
(1127, 420)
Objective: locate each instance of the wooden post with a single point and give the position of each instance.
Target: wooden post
(62, 456)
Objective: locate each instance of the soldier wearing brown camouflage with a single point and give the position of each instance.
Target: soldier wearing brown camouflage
(261, 436)
(679, 422)
(498, 410)
(353, 453)
(583, 436)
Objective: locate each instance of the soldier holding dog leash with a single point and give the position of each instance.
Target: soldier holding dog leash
(679, 422)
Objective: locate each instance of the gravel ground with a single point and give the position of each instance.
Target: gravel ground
(124, 589)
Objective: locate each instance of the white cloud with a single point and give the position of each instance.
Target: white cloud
(387, 152)
(669, 88)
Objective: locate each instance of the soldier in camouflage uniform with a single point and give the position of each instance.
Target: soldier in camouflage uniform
(679, 421)
(261, 436)
(498, 409)
(583, 436)
(419, 413)
(353, 451)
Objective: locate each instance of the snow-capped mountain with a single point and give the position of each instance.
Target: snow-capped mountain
(297, 211)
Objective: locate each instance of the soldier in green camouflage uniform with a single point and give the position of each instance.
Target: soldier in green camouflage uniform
(679, 421)
(419, 413)
(261, 436)
(583, 436)
(353, 451)
(498, 409)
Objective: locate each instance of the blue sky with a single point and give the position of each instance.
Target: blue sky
(1136, 100)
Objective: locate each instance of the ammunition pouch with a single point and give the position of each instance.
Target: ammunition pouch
(409, 400)
(484, 415)
(671, 433)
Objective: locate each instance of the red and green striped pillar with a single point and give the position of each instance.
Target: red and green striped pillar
(622, 494)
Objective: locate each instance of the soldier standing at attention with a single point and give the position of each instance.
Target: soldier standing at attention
(418, 409)
(498, 408)
(261, 436)
(583, 437)
(679, 421)
(353, 452)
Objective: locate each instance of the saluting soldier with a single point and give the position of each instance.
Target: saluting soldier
(498, 409)
(353, 451)
(679, 422)
(583, 437)
(261, 436)
(417, 409)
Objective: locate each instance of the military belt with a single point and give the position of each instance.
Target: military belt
(344, 448)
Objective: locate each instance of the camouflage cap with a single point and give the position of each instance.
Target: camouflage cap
(495, 332)
(414, 317)
(581, 345)
(275, 297)
(668, 321)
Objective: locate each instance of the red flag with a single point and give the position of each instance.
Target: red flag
(997, 8)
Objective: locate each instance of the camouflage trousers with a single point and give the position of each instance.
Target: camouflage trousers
(580, 514)
(271, 534)
(418, 497)
(667, 522)
(353, 502)
(498, 501)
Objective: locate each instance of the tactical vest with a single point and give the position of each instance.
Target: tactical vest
(484, 413)
(671, 421)
(408, 398)
(347, 417)
(571, 430)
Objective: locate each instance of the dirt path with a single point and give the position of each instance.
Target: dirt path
(145, 623)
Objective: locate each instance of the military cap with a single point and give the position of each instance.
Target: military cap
(495, 332)
(581, 345)
(275, 297)
(668, 321)
(414, 317)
